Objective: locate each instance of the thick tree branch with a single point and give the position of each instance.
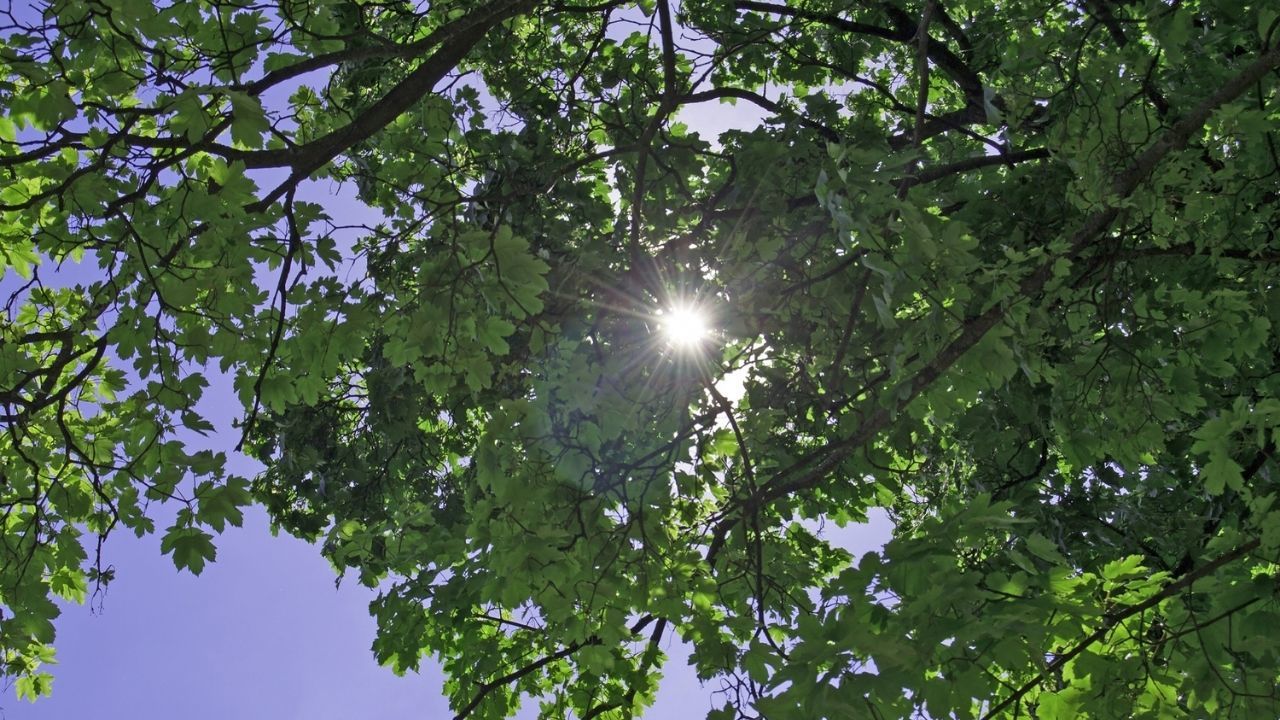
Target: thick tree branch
(444, 34)
(755, 98)
(903, 31)
(938, 172)
(922, 94)
(670, 101)
(304, 160)
(832, 21)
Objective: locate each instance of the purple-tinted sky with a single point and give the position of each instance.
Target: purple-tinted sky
(263, 632)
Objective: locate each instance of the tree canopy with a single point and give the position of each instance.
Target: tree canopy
(1006, 270)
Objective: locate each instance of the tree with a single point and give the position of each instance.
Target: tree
(1007, 270)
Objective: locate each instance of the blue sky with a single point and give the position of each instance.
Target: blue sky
(264, 632)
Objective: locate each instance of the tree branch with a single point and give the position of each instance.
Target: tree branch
(514, 675)
(811, 469)
(755, 98)
(304, 160)
(1118, 616)
(937, 172)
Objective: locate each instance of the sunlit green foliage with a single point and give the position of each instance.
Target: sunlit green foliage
(1006, 270)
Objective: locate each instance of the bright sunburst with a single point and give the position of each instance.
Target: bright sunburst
(684, 326)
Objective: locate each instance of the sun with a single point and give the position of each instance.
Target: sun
(684, 326)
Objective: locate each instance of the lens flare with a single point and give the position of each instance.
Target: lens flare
(684, 326)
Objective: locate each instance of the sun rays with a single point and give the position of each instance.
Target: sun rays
(684, 326)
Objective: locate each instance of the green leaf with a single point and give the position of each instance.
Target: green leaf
(34, 686)
(1040, 368)
(1045, 549)
(69, 583)
(492, 332)
(54, 105)
(248, 120)
(1222, 472)
(222, 504)
(1123, 569)
(191, 548)
(278, 61)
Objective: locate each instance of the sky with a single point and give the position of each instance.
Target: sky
(264, 632)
